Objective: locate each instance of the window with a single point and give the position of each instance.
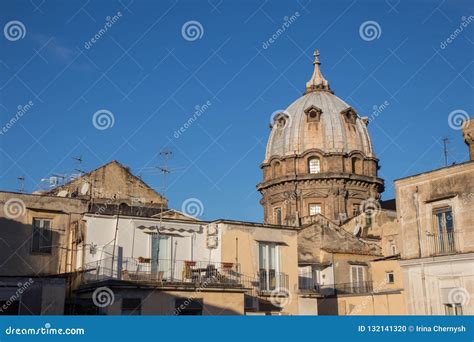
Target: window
(390, 277)
(393, 248)
(42, 236)
(314, 209)
(357, 278)
(268, 261)
(313, 114)
(314, 165)
(188, 306)
(444, 230)
(453, 309)
(355, 209)
(131, 306)
(277, 215)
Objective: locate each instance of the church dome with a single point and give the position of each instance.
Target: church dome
(319, 159)
(318, 120)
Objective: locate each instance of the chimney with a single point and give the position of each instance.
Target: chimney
(468, 135)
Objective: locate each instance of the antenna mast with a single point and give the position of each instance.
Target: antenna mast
(445, 150)
(21, 180)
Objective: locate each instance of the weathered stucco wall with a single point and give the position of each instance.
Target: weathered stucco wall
(16, 233)
(247, 250)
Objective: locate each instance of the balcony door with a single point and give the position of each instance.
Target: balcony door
(269, 265)
(444, 230)
(357, 278)
(161, 255)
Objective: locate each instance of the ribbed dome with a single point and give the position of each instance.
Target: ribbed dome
(330, 133)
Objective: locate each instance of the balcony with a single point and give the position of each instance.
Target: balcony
(308, 285)
(442, 244)
(165, 272)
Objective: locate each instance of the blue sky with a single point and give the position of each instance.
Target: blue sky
(144, 72)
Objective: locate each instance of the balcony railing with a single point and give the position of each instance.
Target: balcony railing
(165, 272)
(441, 244)
(309, 285)
(266, 283)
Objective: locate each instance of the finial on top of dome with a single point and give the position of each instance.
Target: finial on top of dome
(317, 81)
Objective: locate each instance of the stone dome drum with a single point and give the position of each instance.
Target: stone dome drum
(319, 159)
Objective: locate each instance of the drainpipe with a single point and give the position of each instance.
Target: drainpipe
(418, 227)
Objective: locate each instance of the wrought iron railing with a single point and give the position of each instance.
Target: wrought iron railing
(165, 271)
(307, 284)
(442, 243)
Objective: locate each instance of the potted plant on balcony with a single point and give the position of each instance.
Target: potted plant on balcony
(143, 260)
(190, 263)
(227, 265)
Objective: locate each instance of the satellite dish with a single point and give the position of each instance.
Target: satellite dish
(62, 193)
(357, 230)
(84, 188)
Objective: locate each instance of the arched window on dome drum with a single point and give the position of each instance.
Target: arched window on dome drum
(314, 165)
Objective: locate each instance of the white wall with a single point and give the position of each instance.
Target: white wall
(100, 231)
(428, 281)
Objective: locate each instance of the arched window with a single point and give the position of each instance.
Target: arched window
(314, 165)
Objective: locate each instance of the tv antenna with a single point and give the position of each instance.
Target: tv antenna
(21, 180)
(78, 159)
(445, 150)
